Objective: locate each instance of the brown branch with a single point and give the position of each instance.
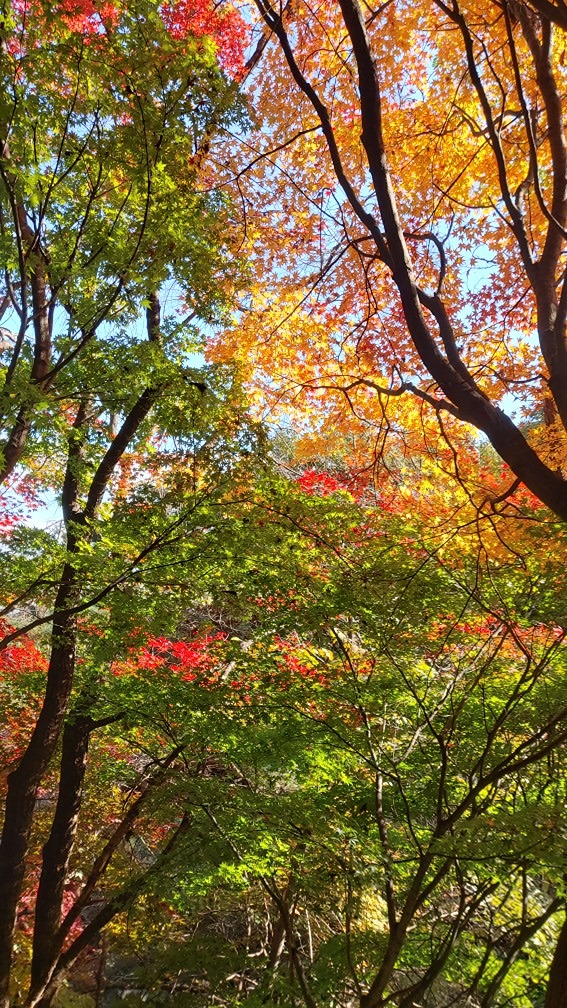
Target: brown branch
(115, 905)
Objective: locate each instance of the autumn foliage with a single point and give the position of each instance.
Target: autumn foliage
(96, 22)
(283, 606)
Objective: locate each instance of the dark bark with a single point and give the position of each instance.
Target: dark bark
(13, 449)
(432, 333)
(472, 404)
(50, 932)
(120, 833)
(554, 12)
(41, 323)
(57, 851)
(131, 424)
(115, 905)
(35, 268)
(24, 781)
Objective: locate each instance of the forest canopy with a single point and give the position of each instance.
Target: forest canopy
(283, 498)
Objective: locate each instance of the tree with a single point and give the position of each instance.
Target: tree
(421, 179)
(299, 704)
(299, 710)
(372, 767)
(103, 110)
(100, 129)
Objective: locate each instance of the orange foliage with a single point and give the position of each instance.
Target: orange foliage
(323, 336)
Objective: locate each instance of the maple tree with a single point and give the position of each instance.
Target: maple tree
(408, 206)
(299, 720)
(301, 653)
(99, 133)
(370, 757)
(104, 109)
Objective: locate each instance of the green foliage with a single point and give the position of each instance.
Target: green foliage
(102, 203)
(312, 736)
(324, 736)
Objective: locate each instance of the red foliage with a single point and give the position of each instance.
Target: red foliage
(83, 17)
(188, 659)
(292, 664)
(182, 19)
(88, 18)
(20, 657)
(355, 482)
(279, 600)
(18, 713)
(201, 18)
(26, 906)
(320, 484)
(17, 499)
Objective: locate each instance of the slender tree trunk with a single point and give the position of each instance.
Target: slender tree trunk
(24, 781)
(91, 932)
(428, 322)
(15, 444)
(57, 850)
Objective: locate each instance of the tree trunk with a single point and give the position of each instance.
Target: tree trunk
(24, 781)
(57, 850)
